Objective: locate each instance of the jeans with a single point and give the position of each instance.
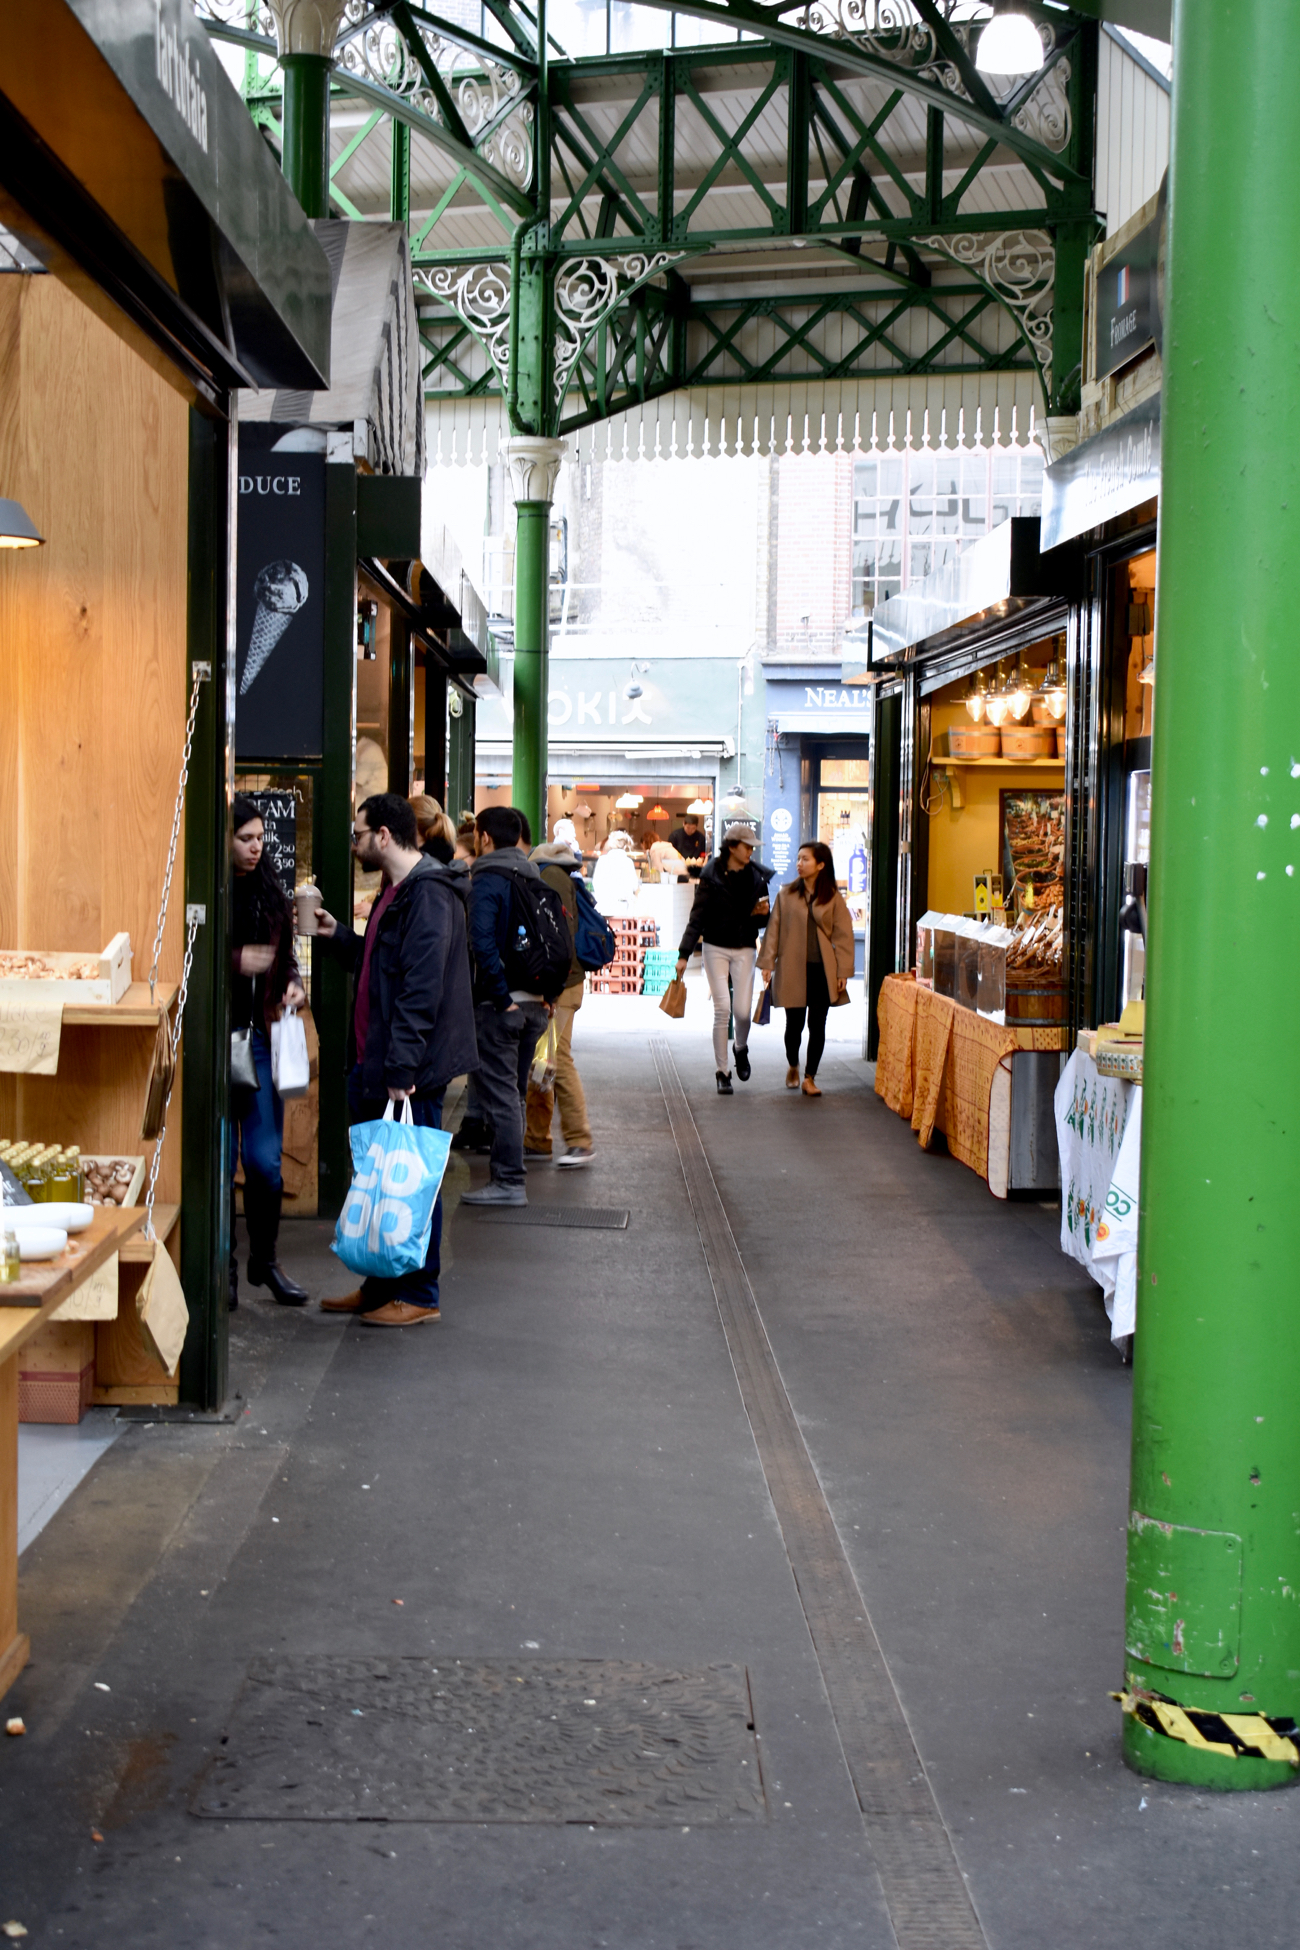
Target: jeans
(257, 1121)
(506, 1043)
(739, 964)
(418, 1289)
(819, 1002)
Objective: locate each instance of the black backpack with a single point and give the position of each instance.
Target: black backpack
(540, 954)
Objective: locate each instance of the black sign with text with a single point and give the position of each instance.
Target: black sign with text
(1126, 317)
(280, 604)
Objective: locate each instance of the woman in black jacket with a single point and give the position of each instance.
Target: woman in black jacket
(728, 914)
(265, 980)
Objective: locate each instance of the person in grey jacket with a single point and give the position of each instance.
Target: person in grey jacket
(507, 1021)
(413, 1022)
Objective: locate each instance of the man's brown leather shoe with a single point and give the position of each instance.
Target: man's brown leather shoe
(349, 1304)
(399, 1313)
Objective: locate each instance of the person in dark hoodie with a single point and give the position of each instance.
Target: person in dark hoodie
(728, 914)
(507, 1020)
(413, 1016)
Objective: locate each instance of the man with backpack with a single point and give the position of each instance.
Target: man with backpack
(522, 949)
(559, 869)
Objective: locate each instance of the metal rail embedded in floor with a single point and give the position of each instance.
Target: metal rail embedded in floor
(923, 1886)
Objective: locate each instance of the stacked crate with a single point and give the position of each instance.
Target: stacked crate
(658, 969)
(623, 974)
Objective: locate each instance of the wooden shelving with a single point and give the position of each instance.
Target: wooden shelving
(939, 762)
(165, 1221)
(134, 1011)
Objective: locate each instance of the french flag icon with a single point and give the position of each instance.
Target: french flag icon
(1124, 291)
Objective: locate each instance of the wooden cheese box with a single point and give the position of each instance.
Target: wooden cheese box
(56, 1372)
(109, 986)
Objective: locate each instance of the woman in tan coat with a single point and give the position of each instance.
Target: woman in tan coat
(809, 943)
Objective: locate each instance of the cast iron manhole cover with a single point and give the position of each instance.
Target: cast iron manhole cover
(547, 1740)
(601, 1218)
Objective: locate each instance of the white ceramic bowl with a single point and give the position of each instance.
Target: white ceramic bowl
(40, 1242)
(58, 1213)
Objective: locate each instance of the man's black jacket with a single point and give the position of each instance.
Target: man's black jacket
(421, 1031)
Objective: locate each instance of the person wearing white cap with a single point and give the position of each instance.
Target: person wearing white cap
(728, 914)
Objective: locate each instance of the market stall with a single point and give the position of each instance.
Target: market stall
(120, 348)
(975, 663)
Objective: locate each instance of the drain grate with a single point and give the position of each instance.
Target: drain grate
(319, 1738)
(597, 1218)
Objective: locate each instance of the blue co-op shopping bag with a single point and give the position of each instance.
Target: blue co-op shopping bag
(397, 1168)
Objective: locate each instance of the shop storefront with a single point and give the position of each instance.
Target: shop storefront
(971, 931)
(817, 777)
(160, 266)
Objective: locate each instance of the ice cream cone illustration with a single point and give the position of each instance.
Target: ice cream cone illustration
(281, 591)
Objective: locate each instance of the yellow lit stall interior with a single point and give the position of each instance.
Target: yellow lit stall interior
(994, 786)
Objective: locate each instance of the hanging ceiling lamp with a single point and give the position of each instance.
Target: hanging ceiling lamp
(658, 812)
(997, 705)
(627, 802)
(700, 808)
(1010, 44)
(1052, 690)
(17, 529)
(1021, 696)
(976, 698)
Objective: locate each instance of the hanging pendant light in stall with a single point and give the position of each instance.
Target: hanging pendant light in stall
(1052, 690)
(976, 699)
(699, 808)
(17, 529)
(997, 705)
(1020, 697)
(658, 812)
(628, 801)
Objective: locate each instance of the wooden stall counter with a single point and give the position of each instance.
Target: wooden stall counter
(24, 1306)
(944, 1068)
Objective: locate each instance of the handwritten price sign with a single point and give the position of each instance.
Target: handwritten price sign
(29, 1036)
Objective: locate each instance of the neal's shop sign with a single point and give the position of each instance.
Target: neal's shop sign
(1128, 304)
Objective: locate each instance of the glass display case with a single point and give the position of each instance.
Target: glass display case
(991, 992)
(925, 948)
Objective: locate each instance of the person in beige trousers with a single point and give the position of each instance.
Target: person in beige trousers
(556, 863)
(807, 955)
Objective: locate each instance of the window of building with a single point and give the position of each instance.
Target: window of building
(914, 511)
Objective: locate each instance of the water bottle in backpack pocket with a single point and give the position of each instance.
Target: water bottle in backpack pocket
(541, 950)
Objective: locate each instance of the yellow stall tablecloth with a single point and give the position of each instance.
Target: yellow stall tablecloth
(936, 1066)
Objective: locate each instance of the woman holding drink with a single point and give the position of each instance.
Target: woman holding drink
(265, 981)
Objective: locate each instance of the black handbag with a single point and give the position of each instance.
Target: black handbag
(243, 1065)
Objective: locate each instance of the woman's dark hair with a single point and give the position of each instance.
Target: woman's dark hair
(267, 901)
(824, 885)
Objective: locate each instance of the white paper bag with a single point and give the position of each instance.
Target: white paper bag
(290, 1065)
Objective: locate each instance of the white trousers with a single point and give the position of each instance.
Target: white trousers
(739, 964)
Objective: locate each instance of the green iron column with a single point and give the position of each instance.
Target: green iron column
(305, 33)
(534, 465)
(1213, 1619)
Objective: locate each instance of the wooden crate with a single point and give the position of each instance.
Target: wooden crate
(134, 1158)
(56, 1372)
(109, 986)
